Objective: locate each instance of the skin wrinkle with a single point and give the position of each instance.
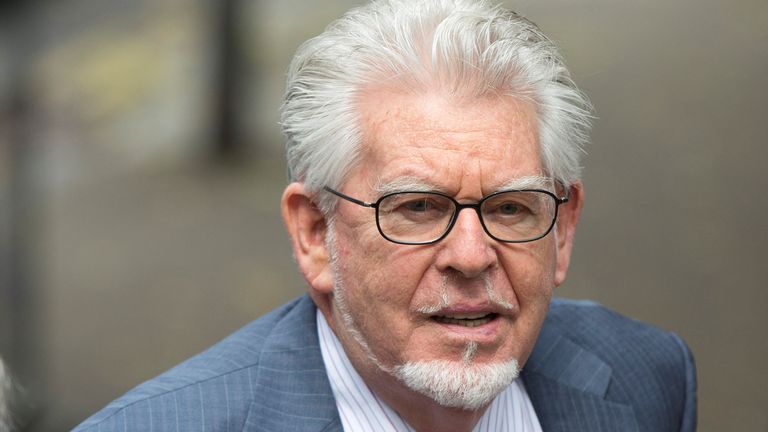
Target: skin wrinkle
(440, 136)
(351, 327)
(493, 296)
(340, 303)
(418, 182)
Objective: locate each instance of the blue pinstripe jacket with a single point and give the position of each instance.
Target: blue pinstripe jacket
(591, 370)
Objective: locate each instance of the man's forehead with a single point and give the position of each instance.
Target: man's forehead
(394, 116)
(435, 142)
(436, 110)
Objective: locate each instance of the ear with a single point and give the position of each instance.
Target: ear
(567, 219)
(307, 227)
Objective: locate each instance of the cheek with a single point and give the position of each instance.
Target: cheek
(380, 280)
(389, 285)
(530, 268)
(382, 269)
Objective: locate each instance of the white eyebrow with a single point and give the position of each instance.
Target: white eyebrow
(403, 184)
(411, 183)
(527, 182)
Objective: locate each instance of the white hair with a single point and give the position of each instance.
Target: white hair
(468, 48)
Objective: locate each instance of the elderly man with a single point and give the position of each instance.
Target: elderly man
(434, 151)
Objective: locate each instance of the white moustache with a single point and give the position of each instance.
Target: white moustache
(444, 303)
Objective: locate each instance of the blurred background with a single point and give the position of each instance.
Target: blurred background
(141, 168)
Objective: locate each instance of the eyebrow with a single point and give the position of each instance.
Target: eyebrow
(412, 183)
(526, 182)
(405, 184)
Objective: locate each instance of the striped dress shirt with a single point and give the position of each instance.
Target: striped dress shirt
(361, 410)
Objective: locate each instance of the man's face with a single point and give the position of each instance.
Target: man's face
(440, 301)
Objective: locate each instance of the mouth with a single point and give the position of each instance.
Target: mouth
(465, 320)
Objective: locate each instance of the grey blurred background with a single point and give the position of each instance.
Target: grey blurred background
(141, 169)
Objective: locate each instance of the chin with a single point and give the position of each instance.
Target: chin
(458, 384)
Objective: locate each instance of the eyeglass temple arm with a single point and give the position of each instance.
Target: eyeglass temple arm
(349, 198)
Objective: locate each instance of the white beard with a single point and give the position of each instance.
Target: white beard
(458, 384)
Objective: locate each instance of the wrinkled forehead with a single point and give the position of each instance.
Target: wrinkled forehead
(443, 139)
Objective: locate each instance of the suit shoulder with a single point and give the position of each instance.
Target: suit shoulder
(587, 320)
(222, 375)
(650, 365)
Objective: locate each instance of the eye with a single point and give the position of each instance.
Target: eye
(418, 205)
(422, 206)
(509, 208)
(415, 206)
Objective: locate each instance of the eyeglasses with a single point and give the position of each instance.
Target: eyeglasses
(416, 218)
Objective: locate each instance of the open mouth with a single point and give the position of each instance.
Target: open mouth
(465, 320)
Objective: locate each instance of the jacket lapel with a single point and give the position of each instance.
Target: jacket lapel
(567, 386)
(292, 392)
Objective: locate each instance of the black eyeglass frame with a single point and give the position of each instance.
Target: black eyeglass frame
(459, 207)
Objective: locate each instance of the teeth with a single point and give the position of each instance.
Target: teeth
(467, 316)
(466, 320)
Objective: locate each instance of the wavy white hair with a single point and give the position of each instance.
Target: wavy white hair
(466, 47)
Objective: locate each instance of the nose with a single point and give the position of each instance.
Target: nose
(467, 249)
